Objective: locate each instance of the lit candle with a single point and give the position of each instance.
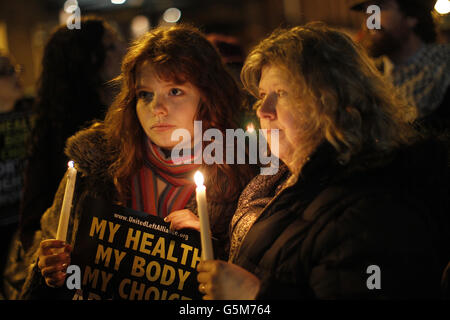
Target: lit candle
(205, 232)
(250, 128)
(61, 234)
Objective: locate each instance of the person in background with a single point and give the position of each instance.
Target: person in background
(231, 52)
(73, 90)
(407, 54)
(233, 57)
(361, 211)
(16, 121)
(126, 159)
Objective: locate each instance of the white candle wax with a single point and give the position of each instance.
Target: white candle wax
(205, 231)
(61, 234)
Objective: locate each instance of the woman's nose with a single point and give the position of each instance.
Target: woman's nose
(159, 106)
(267, 109)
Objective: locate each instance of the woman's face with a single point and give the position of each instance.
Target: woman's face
(164, 106)
(276, 111)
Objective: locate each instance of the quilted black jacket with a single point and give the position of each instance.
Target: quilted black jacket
(318, 238)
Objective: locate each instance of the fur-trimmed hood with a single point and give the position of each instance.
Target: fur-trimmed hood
(93, 155)
(90, 151)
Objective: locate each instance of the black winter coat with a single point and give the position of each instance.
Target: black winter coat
(318, 238)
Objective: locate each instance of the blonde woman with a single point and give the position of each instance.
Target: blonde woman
(356, 213)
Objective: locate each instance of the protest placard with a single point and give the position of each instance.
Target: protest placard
(130, 255)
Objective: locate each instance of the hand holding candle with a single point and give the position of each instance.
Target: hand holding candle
(205, 231)
(61, 234)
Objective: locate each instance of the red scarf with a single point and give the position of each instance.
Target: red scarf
(161, 186)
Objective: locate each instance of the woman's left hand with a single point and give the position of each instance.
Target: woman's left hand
(220, 280)
(182, 219)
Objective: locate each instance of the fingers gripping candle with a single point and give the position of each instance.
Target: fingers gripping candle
(205, 231)
(61, 234)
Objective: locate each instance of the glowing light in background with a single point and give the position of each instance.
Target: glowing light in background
(3, 37)
(172, 15)
(118, 1)
(442, 6)
(139, 26)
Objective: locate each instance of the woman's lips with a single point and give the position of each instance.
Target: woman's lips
(162, 127)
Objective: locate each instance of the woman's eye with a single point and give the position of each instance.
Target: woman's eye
(281, 93)
(145, 95)
(175, 92)
(262, 95)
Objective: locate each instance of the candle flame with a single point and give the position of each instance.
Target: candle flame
(70, 164)
(198, 178)
(251, 128)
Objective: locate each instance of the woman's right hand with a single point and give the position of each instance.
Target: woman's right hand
(54, 258)
(220, 280)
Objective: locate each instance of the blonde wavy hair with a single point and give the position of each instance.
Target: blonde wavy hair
(342, 98)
